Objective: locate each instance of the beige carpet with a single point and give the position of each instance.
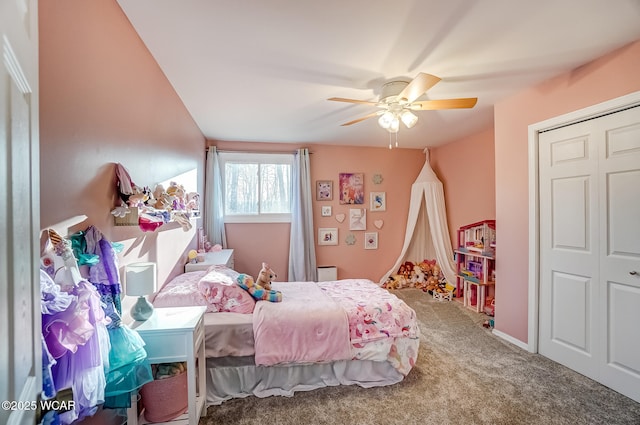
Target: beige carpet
(464, 375)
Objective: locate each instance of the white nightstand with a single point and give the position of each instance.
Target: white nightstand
(223, 257)
(176, 334)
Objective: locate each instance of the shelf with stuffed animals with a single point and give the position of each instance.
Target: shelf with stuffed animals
(140, 206)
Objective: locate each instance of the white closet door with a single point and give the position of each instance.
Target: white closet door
(569, 247)
(619, 296)
(590, 249)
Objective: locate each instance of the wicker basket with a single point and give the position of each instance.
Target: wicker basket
(165, 399)
(130, 219)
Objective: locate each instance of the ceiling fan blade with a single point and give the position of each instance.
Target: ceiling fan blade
(366, 117)
(418, 86)
(342, 99)
(465, 102)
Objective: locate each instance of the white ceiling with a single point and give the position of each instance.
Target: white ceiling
(262, 70)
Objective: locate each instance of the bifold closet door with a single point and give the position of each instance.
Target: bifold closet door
(589, 189)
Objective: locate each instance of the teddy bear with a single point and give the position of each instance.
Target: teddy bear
(265, 276)
(161, 198)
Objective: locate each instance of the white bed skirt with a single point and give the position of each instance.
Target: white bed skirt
(239, 377)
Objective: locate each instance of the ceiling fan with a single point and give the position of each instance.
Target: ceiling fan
(398, 100)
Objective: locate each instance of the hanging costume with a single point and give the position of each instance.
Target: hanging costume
(73, 331)
(128, 365)
(85, 345)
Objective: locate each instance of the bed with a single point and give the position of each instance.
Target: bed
(344, 332)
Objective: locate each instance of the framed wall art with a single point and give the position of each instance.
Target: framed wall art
(325, 211)
(357, 219)
(324, 190)
(378, 201)
(371, 240)
(351, 188)
(327, 236)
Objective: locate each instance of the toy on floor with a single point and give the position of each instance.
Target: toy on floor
(265, 276)
(167, 370)
(426, 275)
(256, 291)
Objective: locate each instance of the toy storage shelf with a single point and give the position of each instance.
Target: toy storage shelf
(131, 219)
(475, 264)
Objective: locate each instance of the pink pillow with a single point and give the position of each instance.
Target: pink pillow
(219, 288)
(182, 291)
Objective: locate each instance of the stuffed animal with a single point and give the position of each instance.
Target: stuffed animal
(265, 276)
(176, 194)
(435, 270)
(397, 281)
(167, 370)
(256, 291)
(139, 196)
(417, 277)
(192, 201)
(161, 199)
(120, 211)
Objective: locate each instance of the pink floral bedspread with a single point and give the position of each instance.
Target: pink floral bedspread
(381, 326)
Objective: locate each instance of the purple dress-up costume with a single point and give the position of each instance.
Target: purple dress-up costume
(75, 341)
(129, 368)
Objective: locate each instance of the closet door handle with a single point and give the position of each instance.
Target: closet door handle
(633, 272)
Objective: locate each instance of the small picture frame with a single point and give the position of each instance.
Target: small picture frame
(378, 201)
(357, 219)
(325, 211)
(371, 240)
(324, 190)
(327, 236)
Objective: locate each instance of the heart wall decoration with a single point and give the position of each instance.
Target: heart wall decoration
(340, 217)
(378, 224)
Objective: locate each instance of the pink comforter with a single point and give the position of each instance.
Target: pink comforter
(338, 320)
(306, 327)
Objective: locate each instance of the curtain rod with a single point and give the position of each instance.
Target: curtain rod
(256, 152)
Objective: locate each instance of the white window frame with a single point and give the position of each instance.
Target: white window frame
(260, 158)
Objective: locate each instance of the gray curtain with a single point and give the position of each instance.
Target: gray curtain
(302, 252)
(214, 211)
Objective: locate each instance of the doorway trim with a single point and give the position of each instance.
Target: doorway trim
(594, 111)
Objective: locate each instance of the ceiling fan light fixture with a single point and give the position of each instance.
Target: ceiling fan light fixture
(408, 118)
(395, 125)
(398, 99)
(386, 119)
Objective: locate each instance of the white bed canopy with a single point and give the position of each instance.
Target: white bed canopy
(427, 235)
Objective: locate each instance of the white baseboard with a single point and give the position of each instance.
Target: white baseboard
(511, 339)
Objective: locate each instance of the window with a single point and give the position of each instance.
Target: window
(257, 187)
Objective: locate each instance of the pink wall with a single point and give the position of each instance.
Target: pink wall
(467, 170)
(270, 242)
(611, 76)
(104, 100)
